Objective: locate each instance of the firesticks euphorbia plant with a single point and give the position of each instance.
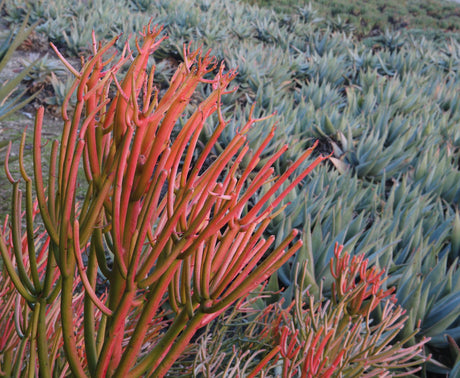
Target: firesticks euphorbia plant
(177, 223)
(340, 338)
(29, 317)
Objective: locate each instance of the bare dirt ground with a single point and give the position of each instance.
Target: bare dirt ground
(11, 129)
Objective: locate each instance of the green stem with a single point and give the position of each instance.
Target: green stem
(96, 240)
(7, 361)
(17, 242)
(30, 238)
(101, 333)
(120, 302)
(38, 174)
(89, 321)
(179, 346)
(42, 341)
(153, 302)
(29, 218)
(20, 357)
(8, 264)
(162, 349)
(68, 335)
(54, 292)
(52, 182)
(93, 214)
(33, 342)
(49, 273)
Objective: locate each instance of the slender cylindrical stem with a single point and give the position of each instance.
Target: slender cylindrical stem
(68, 329)
(89, 315)
(148, 312)
(42, 340)
(163, 348)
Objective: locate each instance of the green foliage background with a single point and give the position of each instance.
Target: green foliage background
(373, 16)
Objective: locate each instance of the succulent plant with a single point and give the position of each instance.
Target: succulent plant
(313, 336)
(387, 107)
(11, 99)
(186, 222)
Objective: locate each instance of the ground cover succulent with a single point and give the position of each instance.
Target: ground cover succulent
(376, 95)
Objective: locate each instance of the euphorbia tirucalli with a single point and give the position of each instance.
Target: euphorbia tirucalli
(341, 337)
(29, 320)
(162, 220)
